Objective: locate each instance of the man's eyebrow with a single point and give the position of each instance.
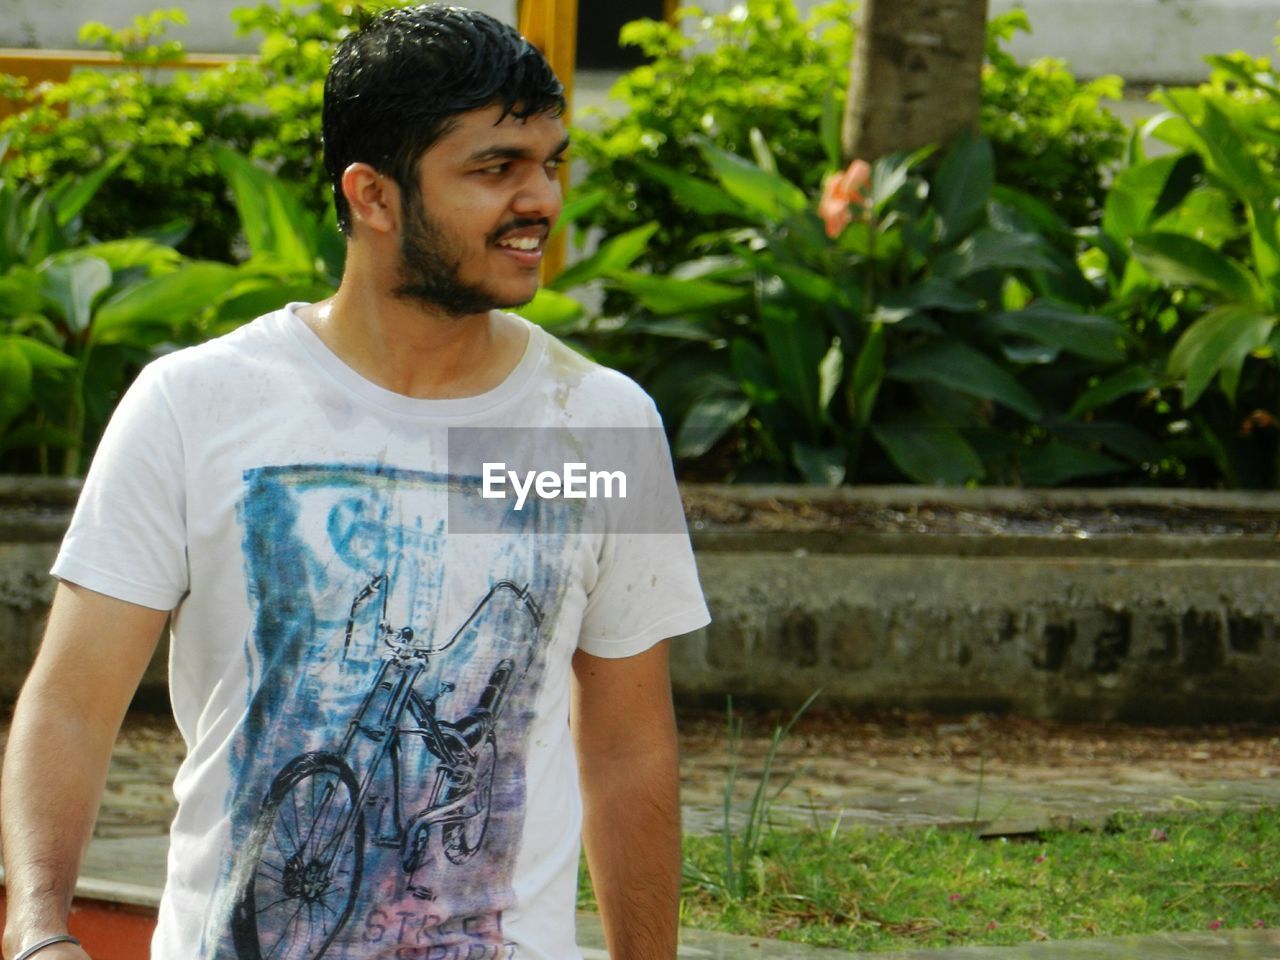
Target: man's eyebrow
(513, 153)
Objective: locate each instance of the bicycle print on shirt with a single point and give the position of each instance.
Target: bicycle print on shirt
(378, 779)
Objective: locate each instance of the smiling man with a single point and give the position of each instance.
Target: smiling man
(398, 736)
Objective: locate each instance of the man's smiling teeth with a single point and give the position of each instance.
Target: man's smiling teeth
(520, 243)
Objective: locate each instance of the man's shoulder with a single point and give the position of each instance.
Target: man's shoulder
(596, 390)
(241, 348)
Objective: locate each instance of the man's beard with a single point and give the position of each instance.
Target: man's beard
(428, 275)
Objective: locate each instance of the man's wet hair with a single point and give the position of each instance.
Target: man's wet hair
(399, 83)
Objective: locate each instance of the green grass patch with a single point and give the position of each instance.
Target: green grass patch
(894, 890)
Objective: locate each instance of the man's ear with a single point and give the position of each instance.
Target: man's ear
(374, 198)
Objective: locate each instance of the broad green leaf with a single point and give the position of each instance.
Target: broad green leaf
(168, 300)
(617, 253)
(929, 451)
(577, 206)
(1130, 380)
(709, 419)
(15, 381)
(769, 195)
(73, 193)
(823, 466)
(868, 375)
(40, 355)
(665, 296)
(1084, 334)
(1133, 197)
(960, 367)
(933, 293)
(674, 328)
(20, 291)
(1123, 439)
(73, 282)
(552, 309)
(697, 195)
(962, 188)
(135, 253)
(1184, 261)
(275, 223)
(752, 370)
(989, 249)
(1055, 462)
(1218, 343)
(796, 344)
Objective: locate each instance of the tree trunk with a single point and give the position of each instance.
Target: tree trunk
(916, 77)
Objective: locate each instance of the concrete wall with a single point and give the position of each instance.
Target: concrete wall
(1061, 619)
(1143, 40)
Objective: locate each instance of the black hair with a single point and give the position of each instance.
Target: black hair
(398, 84)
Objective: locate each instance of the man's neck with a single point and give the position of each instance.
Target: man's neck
(409, 349)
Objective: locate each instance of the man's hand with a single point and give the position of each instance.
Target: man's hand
(625, 734)
(55, 764)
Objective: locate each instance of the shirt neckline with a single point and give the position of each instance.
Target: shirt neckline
(367, 391)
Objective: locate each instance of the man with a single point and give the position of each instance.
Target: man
(377, 714)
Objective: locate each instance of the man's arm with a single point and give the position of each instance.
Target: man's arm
(93, 656)
(625, 733)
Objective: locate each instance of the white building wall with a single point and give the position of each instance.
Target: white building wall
(53, 24)
(1142, 40)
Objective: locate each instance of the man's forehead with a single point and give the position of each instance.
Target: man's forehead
(492, 124)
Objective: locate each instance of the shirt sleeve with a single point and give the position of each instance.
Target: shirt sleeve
(646, 588)
(127, 537)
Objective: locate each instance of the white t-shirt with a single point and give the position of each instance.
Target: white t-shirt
(379, 762)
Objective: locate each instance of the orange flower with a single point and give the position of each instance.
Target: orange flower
(841, 190)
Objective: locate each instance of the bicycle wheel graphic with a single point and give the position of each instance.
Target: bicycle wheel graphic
(305, 856)
(462, 838)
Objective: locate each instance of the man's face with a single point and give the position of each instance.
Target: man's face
(474, 237)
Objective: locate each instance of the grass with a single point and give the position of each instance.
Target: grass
(896, 890)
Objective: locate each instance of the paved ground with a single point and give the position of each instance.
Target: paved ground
(893, 771)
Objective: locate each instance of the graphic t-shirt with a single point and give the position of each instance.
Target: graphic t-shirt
(375, 709)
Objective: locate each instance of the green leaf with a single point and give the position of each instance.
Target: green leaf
(933, 293)
(168, 300)
(709, 419)
(617, 253)
(962, 188)
(796, 344)
(20, 291)
(674, 328)
(1133, 196)
(960, 367)
(823, 466)
(578, 206)
(929, 450)
(695, 194)
(769, 195)
(275, 223)
(73, 282)
(1135, 379)
(552, 309)
(1218, 343)
(1055, 462)
(1184, 261)
(752, 370)
(665, 296)
(868, 375)
(15, 381)
(73, 193)
(1087, 335)
(40, 355)
(989, 249)
(761, 152)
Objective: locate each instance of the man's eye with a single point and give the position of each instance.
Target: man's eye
(497, 168)
(555, 163)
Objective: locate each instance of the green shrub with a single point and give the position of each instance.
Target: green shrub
(268, 109)
(786, 76)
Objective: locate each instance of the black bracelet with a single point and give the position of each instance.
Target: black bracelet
(35, 947)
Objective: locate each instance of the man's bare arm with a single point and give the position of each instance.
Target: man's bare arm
(93, 656)
(624, 730)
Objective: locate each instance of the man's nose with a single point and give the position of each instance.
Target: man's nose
(539, 195)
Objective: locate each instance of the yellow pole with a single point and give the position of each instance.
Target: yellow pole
(552, 27)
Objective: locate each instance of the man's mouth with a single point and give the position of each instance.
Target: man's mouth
(521, 243)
